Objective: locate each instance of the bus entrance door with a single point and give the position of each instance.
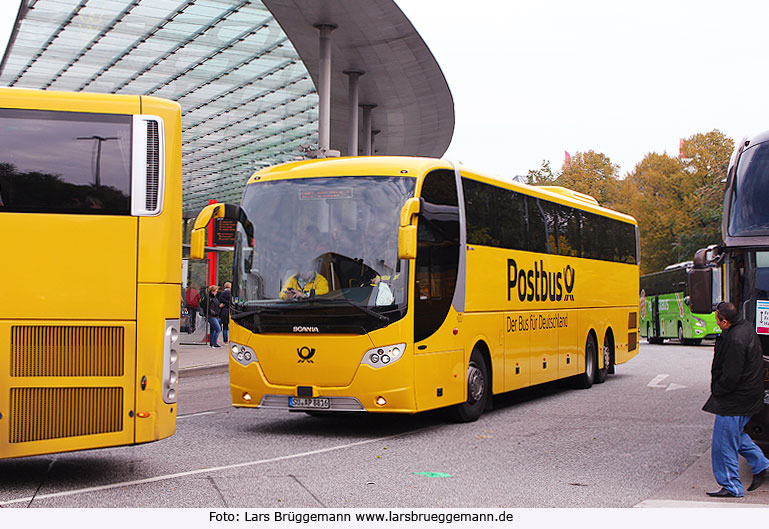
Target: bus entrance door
(656, 330)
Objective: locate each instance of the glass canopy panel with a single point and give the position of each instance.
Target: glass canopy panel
(247, 100)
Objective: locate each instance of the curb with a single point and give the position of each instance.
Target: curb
(203, 370)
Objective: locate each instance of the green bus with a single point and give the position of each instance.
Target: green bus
(665, 312)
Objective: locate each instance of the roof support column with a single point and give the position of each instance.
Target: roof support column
(324, 89)
(353, 90)
(373, 141)
(367, 128)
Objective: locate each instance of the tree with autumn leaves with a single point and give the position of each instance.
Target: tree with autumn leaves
(677, 200)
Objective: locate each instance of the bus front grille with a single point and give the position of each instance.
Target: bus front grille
(66, 351)
(51, 413)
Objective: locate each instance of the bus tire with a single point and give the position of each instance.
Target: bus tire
(681, 338)
(586, 379)
(478, 386)
(601, 374)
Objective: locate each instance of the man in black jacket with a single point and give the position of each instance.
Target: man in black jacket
(736, 393)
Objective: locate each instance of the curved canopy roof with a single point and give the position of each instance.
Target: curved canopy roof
(247, 97)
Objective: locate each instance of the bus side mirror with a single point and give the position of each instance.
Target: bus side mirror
(700, 290)
(215, 211)
(407, 232)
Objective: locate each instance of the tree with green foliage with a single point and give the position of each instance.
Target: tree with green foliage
(706, 160)
(592, 173)
(543, 176)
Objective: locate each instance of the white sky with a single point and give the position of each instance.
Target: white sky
(531, 80)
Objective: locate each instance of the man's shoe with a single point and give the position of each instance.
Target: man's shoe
(758, 480)
(723, 493)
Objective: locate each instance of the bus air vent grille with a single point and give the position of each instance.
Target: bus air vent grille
(632, 341)
(67, 351)
(153, 165)
(52, 413)
(632, 320)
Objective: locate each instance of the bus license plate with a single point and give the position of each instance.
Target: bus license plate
(309, 403)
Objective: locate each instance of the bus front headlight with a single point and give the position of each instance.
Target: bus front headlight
(242, 354)
(382, 356)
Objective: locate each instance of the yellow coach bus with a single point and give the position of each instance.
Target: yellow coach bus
(393, 284)
(90, 209)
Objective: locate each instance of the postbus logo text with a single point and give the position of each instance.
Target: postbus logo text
(539, 284)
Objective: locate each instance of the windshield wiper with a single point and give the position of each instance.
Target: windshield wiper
(259, 310)
(363, 308)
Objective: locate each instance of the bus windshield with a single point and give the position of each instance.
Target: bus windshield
(749, 211)
(325, 247)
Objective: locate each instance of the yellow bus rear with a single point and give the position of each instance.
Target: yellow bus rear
(445, 287)
(90, 209)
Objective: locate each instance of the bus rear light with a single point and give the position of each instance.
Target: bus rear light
(170, 361)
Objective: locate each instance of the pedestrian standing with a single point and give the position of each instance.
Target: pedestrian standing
(193, 302)
(213, 310)
(737, 393)
(225, 298)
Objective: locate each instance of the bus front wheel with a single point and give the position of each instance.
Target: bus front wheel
(586, 379)
(477, 390)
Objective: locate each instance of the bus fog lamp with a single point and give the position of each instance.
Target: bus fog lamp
(246, 397)
(381, 401)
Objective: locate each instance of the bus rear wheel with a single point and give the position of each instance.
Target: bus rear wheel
(586, 379)
(477, 390)
(601, 374)
(681, 338)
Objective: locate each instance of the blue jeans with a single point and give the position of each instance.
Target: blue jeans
(215, 329)
(729, 443)
(225, 329)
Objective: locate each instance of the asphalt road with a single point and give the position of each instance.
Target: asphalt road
(613, 445)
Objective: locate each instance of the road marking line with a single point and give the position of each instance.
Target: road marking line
(697, 504)
(655, 382)
(673, 387)
(195, 414)
(206, 470)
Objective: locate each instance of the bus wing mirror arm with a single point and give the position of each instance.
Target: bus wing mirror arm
(407, 231)
(216, 211)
